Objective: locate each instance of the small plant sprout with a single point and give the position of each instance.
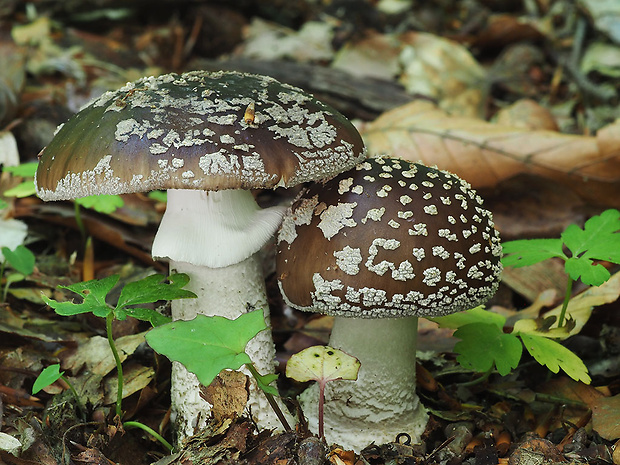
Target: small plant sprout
(598, 240)
(322, 364)
(207, 345)
(22, 260)
(148, 290)
(479, 330)
(52, 373)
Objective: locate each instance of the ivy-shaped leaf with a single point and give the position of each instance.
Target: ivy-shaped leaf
(208, 345)
(322, 364)
(148, 290)
(484, 345)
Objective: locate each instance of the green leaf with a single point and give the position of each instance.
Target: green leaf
(143, 314)
(264, 381)
(525, 252)
(21, 259)
(153, 288)
(483, 345)
(158, 196)
(475, 315)
(597, 231)
(555, 356)
(102, 203)
(93, 293)
(583, 268)
(322, 364)
(149, 290)
(12, 278)
(598, 240)
(207, 345)
(25, 170)
(49, 375)
(24, 189)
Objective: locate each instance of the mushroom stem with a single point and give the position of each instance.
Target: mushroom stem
(382, 402)
(214, 237)
(225, 292)
(214, 228)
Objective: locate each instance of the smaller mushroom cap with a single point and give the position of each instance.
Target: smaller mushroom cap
(388, 238)
(198, 130)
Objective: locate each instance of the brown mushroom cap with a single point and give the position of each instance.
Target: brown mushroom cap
(197, 131)
(388, 238)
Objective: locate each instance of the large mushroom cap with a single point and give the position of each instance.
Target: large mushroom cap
(388, 238)
(198, 130)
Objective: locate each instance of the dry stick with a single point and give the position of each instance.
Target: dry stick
(581, 423)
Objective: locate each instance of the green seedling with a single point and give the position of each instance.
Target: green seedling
(599, 240)
(581, 249)
(479, 330)
(52, 373)
(21, 260)
(322, 364)
(208, 345)
(134, 294)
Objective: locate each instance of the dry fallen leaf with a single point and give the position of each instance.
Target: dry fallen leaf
(372, 55)
(266, 40)
(606, 416)
(485, 153)
(444, 70)
(228, 393)
(526, 114)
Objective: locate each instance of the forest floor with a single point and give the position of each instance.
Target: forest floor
(520, 98)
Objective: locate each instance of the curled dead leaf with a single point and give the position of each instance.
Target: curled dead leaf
(485, 154)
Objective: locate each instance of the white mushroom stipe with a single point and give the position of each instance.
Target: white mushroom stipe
(214, 229)
(384, 393)
(226, 292)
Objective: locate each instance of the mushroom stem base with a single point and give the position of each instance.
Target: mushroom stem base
(382, 402)
(225, 292)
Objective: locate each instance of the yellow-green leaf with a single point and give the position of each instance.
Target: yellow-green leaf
(322, 364)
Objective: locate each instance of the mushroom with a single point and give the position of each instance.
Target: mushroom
(377, 247)
(208, 138)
